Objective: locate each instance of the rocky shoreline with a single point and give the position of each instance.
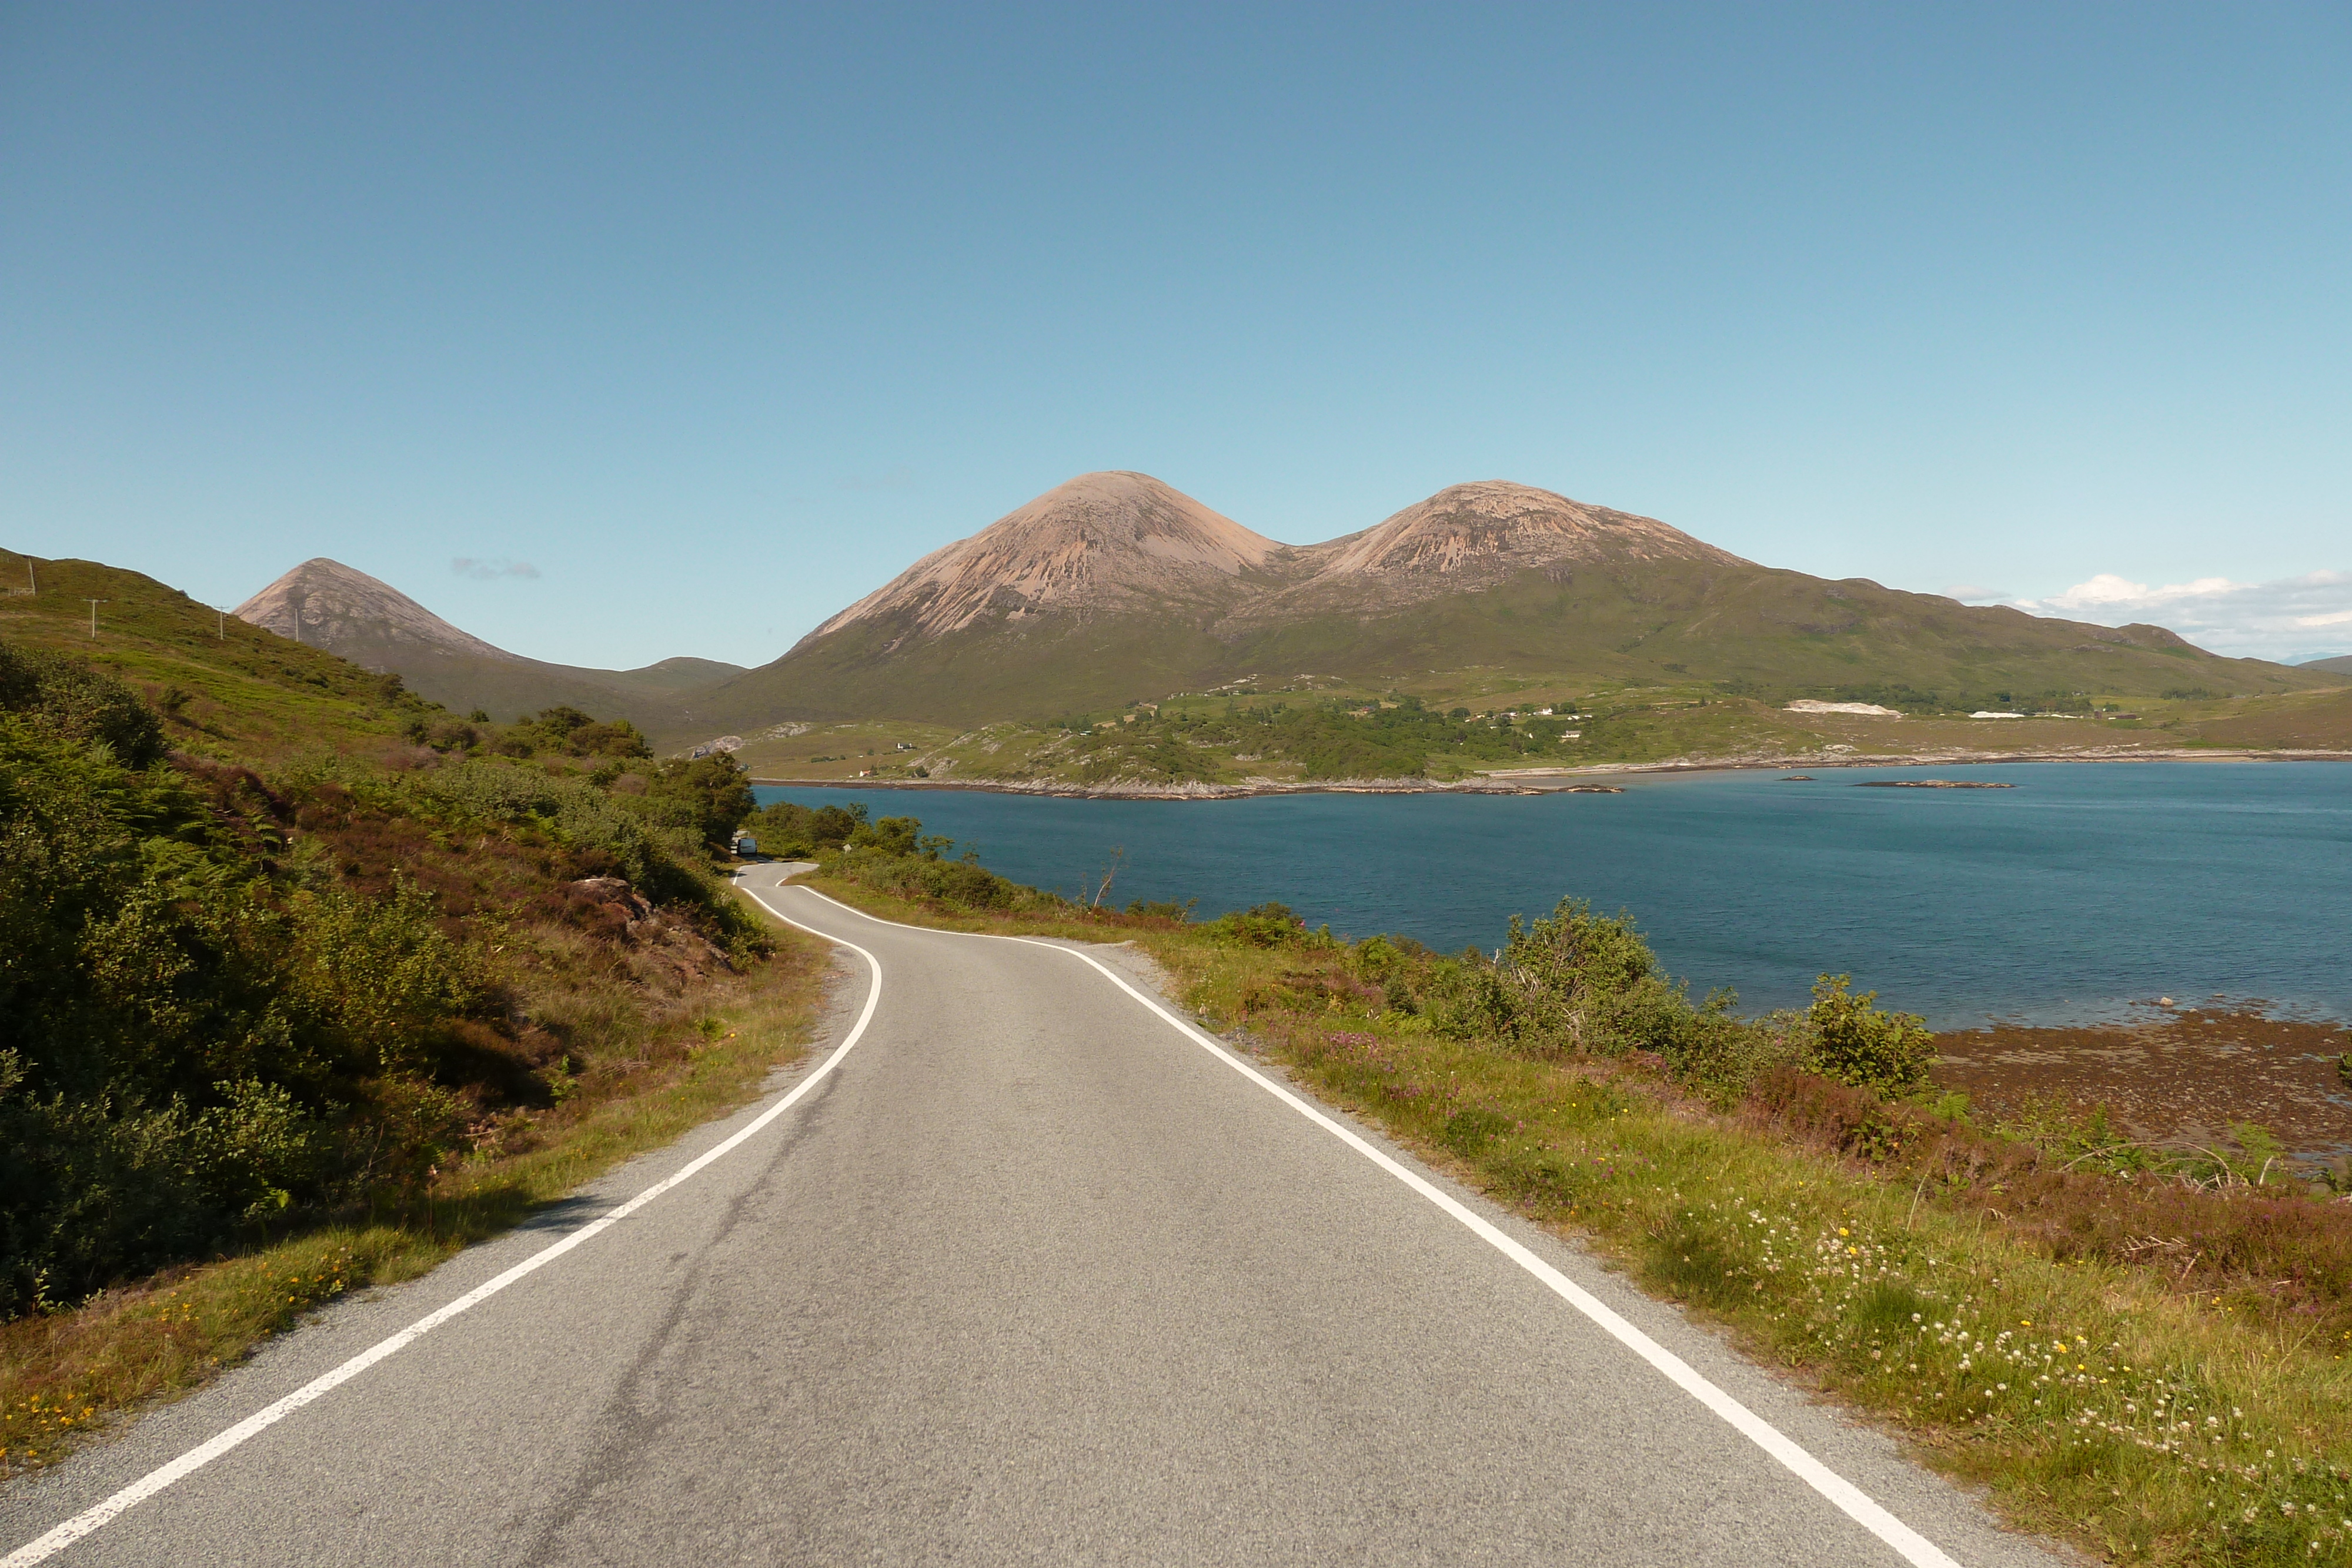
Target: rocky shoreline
(1541, 780)
(1149, 790)
(2180, 1078)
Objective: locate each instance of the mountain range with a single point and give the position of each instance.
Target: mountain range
(1115, 588)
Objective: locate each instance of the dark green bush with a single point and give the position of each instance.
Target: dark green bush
(790, 832)
(1579, 983)
(1163, 909)
(894, 856)
(1267, 924)
(1854, 1043)
(890, 836)
(185, 1050)
(708, 795)
(71, 700)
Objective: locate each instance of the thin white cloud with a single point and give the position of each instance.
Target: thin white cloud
(2288, 619)
(2107, 589)
(898, 477)
(483, 570)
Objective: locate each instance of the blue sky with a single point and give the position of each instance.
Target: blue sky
(617, 332)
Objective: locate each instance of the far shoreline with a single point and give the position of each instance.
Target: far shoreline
(1525, 781)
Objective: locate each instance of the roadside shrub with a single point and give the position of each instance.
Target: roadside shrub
(1266, 924)
(956, 885)
(188, 1047)
(663, 859)
(1163, 909)
(74, 702)
(791, 832)
(709, 796)
(1582, 982)
(382, 969)
(1854, 1043)
(894, 836)
(894, 856)
(1579, 983)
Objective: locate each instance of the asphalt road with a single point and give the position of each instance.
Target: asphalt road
(1028, 1275)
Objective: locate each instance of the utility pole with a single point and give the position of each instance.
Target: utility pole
(221, 629)
(93, 615)
(34, 582)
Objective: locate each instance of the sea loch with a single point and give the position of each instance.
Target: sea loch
(2082, 894)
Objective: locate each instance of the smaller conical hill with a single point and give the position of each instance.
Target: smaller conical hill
(344, 610)
(1473, 536)
(327, 604)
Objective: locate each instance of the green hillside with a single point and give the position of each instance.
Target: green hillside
(226, 690)
(657, 699)
(1747, 629)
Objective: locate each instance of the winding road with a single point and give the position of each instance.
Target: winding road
(1018, 1266)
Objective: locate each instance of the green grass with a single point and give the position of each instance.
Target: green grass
(251, 697)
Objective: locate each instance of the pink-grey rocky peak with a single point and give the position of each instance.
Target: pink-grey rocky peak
(1098, 541)
(1484, 530)
(343, 609)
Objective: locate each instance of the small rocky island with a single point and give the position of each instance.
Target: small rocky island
(1931, 784)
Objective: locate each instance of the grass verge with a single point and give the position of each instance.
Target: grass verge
(67, 1374)
(2098, 1397)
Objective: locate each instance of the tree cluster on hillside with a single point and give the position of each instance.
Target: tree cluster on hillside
(1394, 738)
(557, 732)
(226, 999)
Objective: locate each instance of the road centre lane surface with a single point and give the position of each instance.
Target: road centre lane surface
(1029, 1277)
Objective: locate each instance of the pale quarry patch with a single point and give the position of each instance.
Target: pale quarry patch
(1867, 710)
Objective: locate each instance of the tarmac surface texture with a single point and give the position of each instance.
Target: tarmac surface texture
(1030, 1276)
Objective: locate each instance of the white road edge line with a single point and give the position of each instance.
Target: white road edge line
(1848, 1498)
(195, 1458)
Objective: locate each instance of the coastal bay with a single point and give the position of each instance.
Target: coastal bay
(2077, 898)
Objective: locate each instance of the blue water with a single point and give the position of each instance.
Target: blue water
(2082, 894)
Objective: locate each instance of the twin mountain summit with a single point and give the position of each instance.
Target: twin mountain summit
(1116, 588)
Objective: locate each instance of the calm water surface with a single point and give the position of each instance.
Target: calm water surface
(2084, 894)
